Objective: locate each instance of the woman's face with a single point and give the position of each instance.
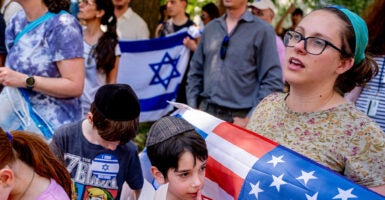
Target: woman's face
(306, 69)
(87, 10)
(205, 17)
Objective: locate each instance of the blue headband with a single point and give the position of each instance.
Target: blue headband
(360, 31)
(9, 136)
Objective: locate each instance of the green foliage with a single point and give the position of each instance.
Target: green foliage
(141, 137)
(193, 7)
(357, 6)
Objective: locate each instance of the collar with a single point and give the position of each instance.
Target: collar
(129, 12)
(245, 17)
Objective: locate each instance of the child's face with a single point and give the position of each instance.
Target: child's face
(187, 180)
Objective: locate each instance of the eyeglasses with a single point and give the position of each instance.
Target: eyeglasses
(225, 44)
(313, 45)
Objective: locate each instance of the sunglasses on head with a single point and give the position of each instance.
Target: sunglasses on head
(225, 44)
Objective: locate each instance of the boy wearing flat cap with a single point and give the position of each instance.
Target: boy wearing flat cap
(98, 151)
(178, 156)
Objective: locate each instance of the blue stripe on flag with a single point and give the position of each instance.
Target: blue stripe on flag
(152, 45)
(157, 102)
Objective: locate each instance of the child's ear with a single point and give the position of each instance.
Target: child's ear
(6, 177)
(90, 117)
(157, 175)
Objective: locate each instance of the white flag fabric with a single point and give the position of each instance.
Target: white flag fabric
(154, 69)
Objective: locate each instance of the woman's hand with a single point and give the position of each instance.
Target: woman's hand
(241, 122)
(9, 77)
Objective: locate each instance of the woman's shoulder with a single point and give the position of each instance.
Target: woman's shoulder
(66, 19)
(278, 97)
(353, 117)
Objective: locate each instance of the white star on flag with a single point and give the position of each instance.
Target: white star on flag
(345, 194)
(255, 189)
(277, 182)
(306, 176)
(314, 197)
(276, 160)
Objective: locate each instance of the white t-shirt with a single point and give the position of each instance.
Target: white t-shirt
(131, 26)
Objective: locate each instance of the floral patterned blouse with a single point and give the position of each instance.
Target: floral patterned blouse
(36, 54)
(341, 138)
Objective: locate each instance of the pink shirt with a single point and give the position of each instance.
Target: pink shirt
(281, 51)
(53, 192)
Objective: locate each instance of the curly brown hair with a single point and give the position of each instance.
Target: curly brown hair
(56, 6)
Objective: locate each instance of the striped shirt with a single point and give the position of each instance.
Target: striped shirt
(375, 90)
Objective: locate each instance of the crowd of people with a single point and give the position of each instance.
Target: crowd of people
(316, 87)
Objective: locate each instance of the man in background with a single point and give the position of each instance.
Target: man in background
(234, 66)
(265, 10)
(130, 25)
(296, 17)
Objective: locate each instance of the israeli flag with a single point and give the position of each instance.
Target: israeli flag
(154, 69)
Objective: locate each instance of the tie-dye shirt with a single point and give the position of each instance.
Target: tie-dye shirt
(36, 54)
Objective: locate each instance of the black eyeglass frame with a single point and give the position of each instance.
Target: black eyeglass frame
(224, 45)
(286, 42)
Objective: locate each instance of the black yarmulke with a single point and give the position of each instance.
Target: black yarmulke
(117, 102)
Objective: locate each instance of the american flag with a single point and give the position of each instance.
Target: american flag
(245, 165)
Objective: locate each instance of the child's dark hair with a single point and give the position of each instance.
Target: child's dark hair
(111, 130)
(104, 52)
(165, 155)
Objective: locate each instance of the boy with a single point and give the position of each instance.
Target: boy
(97, 151)
(178, 156)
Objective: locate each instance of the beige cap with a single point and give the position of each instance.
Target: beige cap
(263, 4)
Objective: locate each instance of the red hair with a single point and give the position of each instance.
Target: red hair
(35, 152)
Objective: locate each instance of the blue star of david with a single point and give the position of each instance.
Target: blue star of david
(105, 167)
(157, 68)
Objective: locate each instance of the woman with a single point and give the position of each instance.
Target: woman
(371, 99)
(101, 50)
(45, 60)
(313, 118)
(209, 12)
(28, 169)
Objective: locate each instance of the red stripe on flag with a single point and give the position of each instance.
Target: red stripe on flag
(249, 141)
(225, 178)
